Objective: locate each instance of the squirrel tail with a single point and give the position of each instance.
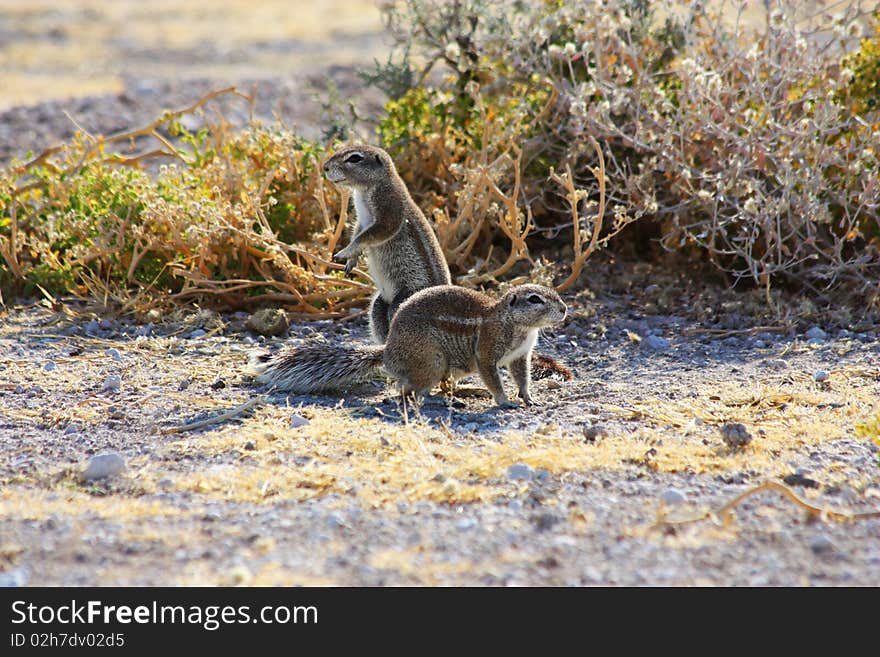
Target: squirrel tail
(310, 368)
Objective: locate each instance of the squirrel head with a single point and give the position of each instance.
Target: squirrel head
(359, 166)
(534, 306)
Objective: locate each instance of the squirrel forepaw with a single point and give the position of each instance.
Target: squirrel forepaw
(528, 400)
(349, 265)
(344, 254)
(506, 403)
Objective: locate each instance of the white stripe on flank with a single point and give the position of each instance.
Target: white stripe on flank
(464, 321)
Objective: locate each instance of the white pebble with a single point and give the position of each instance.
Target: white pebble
(112, 383)
(520, 471)
(104, 465)
(821, 376)
(298, 421)
(672, 497)
(656, 343)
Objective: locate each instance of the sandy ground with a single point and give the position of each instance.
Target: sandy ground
(337, 490)
(587, 489)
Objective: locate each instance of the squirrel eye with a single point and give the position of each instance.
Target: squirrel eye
(354, 158)
(535, 299)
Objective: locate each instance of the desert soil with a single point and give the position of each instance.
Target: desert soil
(586, 489)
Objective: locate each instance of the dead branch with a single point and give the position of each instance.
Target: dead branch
(231, 413)
(724, 514)
(574, 195)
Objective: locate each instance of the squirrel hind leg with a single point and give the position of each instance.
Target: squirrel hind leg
(416, 371)
(380, 319)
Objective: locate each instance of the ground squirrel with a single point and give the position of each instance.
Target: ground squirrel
(403, 254)
(438, 333)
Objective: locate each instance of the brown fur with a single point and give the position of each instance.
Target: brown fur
(442, 332)
(402, 250)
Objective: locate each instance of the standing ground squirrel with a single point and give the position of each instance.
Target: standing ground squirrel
(438, 333)
(403, 254)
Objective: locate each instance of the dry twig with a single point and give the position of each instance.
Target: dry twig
(724, 514)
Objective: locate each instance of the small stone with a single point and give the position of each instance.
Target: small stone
(334, 520)
(731, 341)
(49, 366)
(15, 578)
(268, 321)
(820, 376)
(92, 328)
(165, 483)
(240, 576)
(777, 364)
(672, 497)
(815, 333)
(105, 325)
(144, 330)
(102, 466)
(112, 383)
(250, 445)
(198, 333)
(71, 428)
(298, 421)
(520, 472)
(652, 289)
(656, 343)
(759, 344)
(218, 383)
(735, 435)
(114, 354)
(822, 545)
(465, 524)
(183, 384)
(553, 384)
(594, 432)
(799, 479)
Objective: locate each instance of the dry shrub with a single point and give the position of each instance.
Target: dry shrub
(753, 147)
(236, 219)
(751, 144)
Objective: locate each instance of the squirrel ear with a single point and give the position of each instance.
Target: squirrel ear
(511, 299)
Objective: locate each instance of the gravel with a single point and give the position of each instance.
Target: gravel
(112, 383)
(656, 343)
(822, 544)
(672, 497)
(520, 472)
(735, 435)
(298, 421)
(103, 466)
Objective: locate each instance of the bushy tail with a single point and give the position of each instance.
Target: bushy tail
(310, 368)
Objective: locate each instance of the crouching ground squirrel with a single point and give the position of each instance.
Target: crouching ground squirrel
(438, 333)
(403, 253)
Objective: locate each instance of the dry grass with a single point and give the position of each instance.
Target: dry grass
(381, 462)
